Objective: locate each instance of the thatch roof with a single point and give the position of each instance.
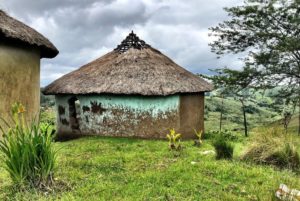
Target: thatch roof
(17, 32)
(132, 68)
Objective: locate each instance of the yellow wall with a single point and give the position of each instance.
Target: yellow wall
(19, 79)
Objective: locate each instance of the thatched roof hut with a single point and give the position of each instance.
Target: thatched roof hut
(14, 31)
(136, 70)
(140, 69)
(21, 49)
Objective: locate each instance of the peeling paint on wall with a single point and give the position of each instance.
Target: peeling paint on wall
(121, 115)
(61, 110)
(97, 108)
(64, 122)
(85, 109)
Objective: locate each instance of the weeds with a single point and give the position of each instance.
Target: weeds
(273, 147)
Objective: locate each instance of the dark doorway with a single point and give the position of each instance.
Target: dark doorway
(74, 106)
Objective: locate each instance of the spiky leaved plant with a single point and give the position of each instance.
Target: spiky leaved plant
(198, 141)
(28, 150)
(174, 140)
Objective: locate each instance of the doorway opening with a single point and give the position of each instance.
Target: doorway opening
(74, 112)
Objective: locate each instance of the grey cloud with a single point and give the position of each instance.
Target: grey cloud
(85, 30)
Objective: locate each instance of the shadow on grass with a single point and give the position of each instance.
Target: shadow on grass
(116, 139)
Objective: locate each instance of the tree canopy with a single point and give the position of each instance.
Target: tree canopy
(268, 31)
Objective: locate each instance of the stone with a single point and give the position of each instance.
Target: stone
(284, 193)
(207, 152)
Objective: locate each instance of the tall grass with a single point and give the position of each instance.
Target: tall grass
(223, 148)
(28, 151)
(273, 147)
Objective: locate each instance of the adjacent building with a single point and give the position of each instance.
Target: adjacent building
(132, 91)
(21, 49)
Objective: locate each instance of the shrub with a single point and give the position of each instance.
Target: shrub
(251, 109)
(28, 151)
(287, 157)
(223, 148)
(273, 147)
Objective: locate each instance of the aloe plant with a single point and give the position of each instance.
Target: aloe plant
(199, 135)
(174, 140)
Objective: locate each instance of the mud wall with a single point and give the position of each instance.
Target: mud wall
(19, 79)
(118, 115)
(131, 116)
(191, 114)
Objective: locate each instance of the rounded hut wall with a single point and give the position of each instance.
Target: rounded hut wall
(19, 79)
(128, 115)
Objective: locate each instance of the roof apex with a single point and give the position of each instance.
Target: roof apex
(131, 41)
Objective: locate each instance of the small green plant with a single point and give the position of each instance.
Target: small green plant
(174, 140)
(28, 151)
(223, 148)
(198, 142)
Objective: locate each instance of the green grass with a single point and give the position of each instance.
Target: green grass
(293, 125)
(100, 168)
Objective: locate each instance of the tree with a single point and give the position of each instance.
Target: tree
(227, 80)
(220, 93)
(268, 31)
(283, 107)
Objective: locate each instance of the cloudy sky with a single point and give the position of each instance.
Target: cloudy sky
(84, 30)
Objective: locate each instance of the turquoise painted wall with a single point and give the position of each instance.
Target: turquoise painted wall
(118, 114)
(156, 105)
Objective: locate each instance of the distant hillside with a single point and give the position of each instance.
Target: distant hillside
(262, 110)
(258, 113)
(293, 126)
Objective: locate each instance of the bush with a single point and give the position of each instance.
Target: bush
(251, 109)
(223, 148)
(286, 157)
(273, 147)
(28, 151)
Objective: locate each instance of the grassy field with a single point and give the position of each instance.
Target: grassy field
(100, 168)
